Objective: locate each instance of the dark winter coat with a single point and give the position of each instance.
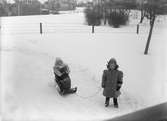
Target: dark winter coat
(111, 82)
(62, 77)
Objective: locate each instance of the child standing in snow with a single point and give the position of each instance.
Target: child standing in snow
(61, 72)
(112, 82)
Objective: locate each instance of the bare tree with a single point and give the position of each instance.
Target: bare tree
(93, 16)
(152, 9)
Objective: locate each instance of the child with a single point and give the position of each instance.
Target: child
(61, 72)
(111, 82)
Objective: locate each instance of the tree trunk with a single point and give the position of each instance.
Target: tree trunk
(137, 31)
(150, 34)
(105, 16)
(105, 20)
(141, 20)
(142, 16)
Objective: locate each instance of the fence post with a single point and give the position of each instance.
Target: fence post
(137, 29)
(93, 29)
(41, 28)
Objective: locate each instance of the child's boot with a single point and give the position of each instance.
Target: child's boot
(107, 101)
(115, 102)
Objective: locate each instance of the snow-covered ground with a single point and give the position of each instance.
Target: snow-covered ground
(27, 59)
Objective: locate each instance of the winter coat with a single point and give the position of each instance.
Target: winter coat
(60, 67)
(62, 77)
(111, 82)
(61, 71)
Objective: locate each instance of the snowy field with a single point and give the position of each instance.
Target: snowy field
(27, 59)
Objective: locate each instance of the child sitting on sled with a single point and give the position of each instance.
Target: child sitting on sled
(61, 72)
